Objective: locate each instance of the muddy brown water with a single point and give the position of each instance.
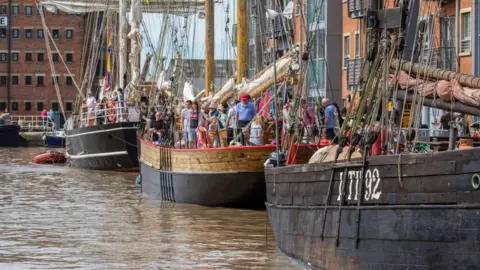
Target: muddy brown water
(54, 217)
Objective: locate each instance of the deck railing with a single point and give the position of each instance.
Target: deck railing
(101, 114)
(34, 123)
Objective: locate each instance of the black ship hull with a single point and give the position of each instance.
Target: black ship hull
(414, 212)
(229, 189)
(103, 147)
(10, 136)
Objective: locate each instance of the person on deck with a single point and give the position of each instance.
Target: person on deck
(212, 111)
(158, 127)
(256, 131)
(51, 115)
(44, 117)
(445, 120)
(232, 121)
(91, 103)
(194, 118)
(245, 113)
(222, 116)
(329, 120)
(308, 120)
(184, 119)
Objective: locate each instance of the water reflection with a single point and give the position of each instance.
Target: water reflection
(52, 217)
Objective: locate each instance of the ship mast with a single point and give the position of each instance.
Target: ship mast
(210, 46)
(122, 36)
(242, 45)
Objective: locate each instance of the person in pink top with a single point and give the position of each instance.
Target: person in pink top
(44, 117)
(308, 121)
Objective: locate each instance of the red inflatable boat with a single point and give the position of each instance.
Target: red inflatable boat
(50, 157)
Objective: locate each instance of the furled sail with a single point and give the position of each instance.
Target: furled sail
(178, 7)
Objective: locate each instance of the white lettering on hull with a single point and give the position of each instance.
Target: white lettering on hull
(372, 181)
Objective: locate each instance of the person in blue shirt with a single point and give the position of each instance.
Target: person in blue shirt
(330, 118)
(245, 113)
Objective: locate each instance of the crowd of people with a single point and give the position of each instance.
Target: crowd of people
(241, 123)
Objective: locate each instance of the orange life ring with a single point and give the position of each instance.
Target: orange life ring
(112, 112)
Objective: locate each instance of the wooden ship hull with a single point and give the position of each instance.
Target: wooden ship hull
(104, 147)
(232, 176)
(417, 211)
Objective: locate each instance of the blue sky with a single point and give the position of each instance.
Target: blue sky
(196, 33)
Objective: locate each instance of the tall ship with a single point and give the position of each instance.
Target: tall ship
(382, 195)
(229, 174)
(102, 133)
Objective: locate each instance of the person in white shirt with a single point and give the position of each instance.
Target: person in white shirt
(185, 111)
(91, 103)
(232, 121)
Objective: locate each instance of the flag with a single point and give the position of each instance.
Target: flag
(109, 57)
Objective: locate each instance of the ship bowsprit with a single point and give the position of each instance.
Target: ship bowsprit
(415, 212)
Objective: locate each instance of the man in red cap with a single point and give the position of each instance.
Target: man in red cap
(245, 113)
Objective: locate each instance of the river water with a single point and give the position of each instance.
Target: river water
(54, 217)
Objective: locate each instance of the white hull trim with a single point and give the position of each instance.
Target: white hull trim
(108, 154)
(99, 131)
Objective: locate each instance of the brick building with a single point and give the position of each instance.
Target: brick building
(30, 88)
(316, 23)
(442, 19)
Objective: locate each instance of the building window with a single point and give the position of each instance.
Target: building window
(28, 33)
(68, 106)
(40, 81)
(3, 106)
(3, 57)
(28, 10)
(69, 57)
(69, 34)
(69, 81)
(39, 106)
(14, 80)
(55, 57)
(40, 57)
(56, 33)
(3, 33)
(3, 10)
(54, 106)
(14, 106)
(39, 10)
(15, 57)
(358, 45)
(316, 70)
(55, 79)
(55, 12)
(15, 10)
(28, 80)
(15, 33)
(346, 50)
(466, 33)
(28, 106)
(28, 57)
(39, 33)
(3, 80)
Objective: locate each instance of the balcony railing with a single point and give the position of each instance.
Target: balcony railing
(356, 8)
(440, 57)
(354, 71)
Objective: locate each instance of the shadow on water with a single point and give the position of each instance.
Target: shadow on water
(54, 217)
